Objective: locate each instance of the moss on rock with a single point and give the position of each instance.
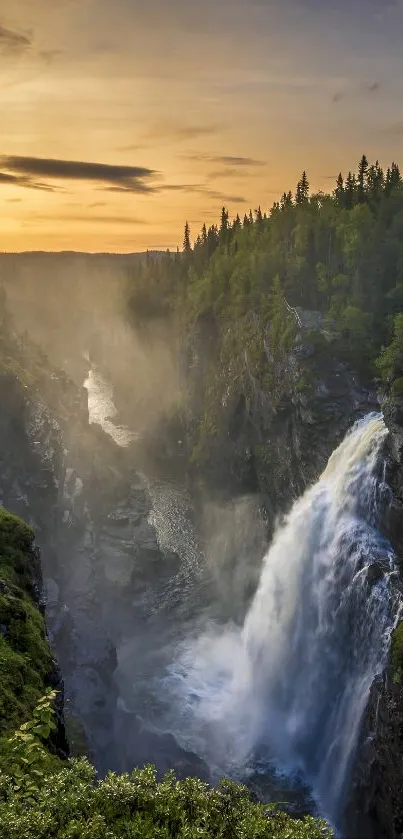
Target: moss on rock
(25, 656)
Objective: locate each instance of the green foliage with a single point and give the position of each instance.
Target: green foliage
(16, 540)
(27, 757)
(390, 361)
(76, 736)
(397, 387)
(72, 804)
(396, 657)
(25, 657)
(338, 255)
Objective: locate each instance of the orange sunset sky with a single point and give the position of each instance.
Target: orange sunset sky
(120, 119)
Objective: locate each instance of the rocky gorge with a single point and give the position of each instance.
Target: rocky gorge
(110, 579)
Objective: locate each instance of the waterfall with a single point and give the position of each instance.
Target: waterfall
(102, 409)
(293, 682)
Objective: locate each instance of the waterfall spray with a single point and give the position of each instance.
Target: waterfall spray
(294, 681)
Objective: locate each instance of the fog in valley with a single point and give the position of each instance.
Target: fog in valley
(188, 635)
(146, 563)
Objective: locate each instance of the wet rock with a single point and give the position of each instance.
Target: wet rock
(143, 745)
(375, 809)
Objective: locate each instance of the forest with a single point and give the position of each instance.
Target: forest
(340, 254)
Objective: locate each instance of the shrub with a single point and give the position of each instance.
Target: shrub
(39, 802)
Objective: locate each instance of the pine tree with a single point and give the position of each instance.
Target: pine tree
(245, 222)
(350, 191)
(302, 191)
(375, 182)
(186, 239)
(393, 178)
(361, 179)
(286, 200)
(236, 224)
(212, 239)
(204, 234)
(304, 186)
(224, 222)
(259, 217)
(395, 175)
(339, 193)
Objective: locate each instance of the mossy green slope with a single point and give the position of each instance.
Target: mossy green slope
(25, 656)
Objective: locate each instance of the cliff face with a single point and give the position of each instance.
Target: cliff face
(101, 561)
(276, 443)
(90, 509)
(27, 666)
(376, 808)
(271, 432)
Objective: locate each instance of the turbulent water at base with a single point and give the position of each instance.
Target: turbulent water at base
(280, 696)
(293, 682)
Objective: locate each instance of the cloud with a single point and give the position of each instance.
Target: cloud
(11, 41)
(225, 159)
(21, 180)
(88, 217)
(183, 188)
(203, 189)
(231, 160)
(169, 131)
(49, 56)
(219, 196)
(226, 173)
(118, 178)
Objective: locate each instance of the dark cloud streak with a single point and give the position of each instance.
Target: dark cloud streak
(13, 41)
(225, 160)
(203, 189)
(23, 181)
(119, 178)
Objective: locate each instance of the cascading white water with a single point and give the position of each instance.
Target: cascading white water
(102, 409)
(294, 681)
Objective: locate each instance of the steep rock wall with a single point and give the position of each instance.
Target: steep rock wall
(27, 665)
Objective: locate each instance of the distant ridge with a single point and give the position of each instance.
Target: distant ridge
(87, 254)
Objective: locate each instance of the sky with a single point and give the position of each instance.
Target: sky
(122, 119)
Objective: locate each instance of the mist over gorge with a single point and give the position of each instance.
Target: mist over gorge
(208, 446)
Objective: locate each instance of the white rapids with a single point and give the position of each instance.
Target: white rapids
(102, 410)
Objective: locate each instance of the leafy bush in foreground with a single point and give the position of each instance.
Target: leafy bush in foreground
(70, 803)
